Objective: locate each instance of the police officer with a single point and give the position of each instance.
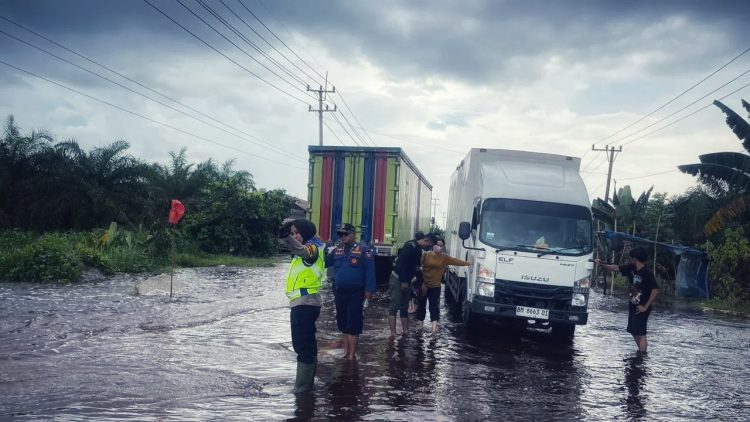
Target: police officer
(303, 283)
(354, 267)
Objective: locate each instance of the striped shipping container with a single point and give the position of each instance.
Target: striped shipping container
(379, 190)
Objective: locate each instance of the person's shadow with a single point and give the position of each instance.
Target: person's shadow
(636, 371)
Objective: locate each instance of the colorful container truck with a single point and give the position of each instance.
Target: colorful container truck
(379, 190)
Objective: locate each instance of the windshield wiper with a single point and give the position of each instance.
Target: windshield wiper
(528, 246)
(540, 254)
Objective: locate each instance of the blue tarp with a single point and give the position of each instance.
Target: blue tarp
(691, 279)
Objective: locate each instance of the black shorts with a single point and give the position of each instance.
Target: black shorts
(637, 323)
(349, 308)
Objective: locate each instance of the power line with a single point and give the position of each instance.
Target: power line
(235, 45)
(313, 69)
(688, 115)
(682, 109)
(145, 117)
(347, 132)
(648, 175)
(265, 40)
(333, 133)
(411, 141)
(675, 98)
(136, 82)
(224, 55)
(279, 39)
(248, 42)
(148, 97)
(355, 118)
(353, 128)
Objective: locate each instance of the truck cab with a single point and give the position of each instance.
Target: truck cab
(531, 241)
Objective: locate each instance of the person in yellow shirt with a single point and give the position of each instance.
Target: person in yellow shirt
(433, 268)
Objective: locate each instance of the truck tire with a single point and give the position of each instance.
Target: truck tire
(469, 319)
(450, 298)
(563, 331)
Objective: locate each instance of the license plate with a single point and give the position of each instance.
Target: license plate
(525, 311)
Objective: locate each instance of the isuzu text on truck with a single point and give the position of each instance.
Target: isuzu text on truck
(525, 219)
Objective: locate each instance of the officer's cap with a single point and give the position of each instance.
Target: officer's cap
(345, 229)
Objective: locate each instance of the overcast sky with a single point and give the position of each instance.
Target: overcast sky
(433, 77)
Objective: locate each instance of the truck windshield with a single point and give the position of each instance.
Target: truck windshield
(519, 224)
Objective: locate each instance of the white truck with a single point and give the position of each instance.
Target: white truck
(525, 220)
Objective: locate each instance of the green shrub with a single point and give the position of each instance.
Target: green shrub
(730, 267)
(49, 258)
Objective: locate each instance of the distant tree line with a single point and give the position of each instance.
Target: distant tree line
(47, 185)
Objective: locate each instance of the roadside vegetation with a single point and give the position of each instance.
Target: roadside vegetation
(713, 216)
(63, 209)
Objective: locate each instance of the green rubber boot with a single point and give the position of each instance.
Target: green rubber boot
(305, 378)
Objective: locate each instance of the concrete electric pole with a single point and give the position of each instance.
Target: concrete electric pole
(321, 97)
(611, 159)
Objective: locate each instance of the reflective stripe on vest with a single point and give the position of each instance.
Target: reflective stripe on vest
(304, 280)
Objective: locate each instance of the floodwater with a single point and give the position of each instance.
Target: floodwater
(221, 350)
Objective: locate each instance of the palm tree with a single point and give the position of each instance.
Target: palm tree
(726, 175)
(179, 180)
(17, 166)
(75, 189)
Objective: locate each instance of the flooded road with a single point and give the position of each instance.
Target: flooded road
(221, 350)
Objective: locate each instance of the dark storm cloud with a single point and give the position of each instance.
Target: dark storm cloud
(479, 41)
(476, 41)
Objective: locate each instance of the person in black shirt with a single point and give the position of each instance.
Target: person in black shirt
(643, 293)
(407, 264)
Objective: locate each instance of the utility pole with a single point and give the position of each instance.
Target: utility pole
(435, 202)
(321, 97)
(611, 158)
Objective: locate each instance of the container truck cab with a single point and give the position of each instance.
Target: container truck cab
(525, 220)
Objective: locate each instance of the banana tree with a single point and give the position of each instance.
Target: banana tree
(726, 175)
(630, 211)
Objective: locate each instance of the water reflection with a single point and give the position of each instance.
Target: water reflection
(635, 379)
(221, 351)
(345, 391)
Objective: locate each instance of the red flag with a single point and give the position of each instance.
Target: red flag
(176, 212)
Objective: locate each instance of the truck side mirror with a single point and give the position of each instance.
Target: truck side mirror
(464, 230)
(617, 242)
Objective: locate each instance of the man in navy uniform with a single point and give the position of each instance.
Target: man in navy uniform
(354, 267)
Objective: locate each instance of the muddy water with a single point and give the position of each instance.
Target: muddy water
(221, 350)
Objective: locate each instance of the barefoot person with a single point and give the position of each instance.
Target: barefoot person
(407, 264)
(433, 268)
(643, 293)
(354, 267)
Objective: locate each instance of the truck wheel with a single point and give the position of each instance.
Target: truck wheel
(450, 298)
(468, 318)
(563, 330)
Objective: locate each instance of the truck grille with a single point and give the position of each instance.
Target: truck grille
(538, 296)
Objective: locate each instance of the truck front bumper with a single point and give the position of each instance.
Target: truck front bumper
(485, 306)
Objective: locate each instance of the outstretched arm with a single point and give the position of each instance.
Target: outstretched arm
(449, 260)
(611, 267)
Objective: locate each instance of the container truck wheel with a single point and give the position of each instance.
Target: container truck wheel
(563, 331)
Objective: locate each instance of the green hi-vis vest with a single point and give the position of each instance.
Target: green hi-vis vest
(304, 280)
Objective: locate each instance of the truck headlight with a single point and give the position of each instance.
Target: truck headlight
(579, 299)
(583, 283)
(486, 289)
(485, 281)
